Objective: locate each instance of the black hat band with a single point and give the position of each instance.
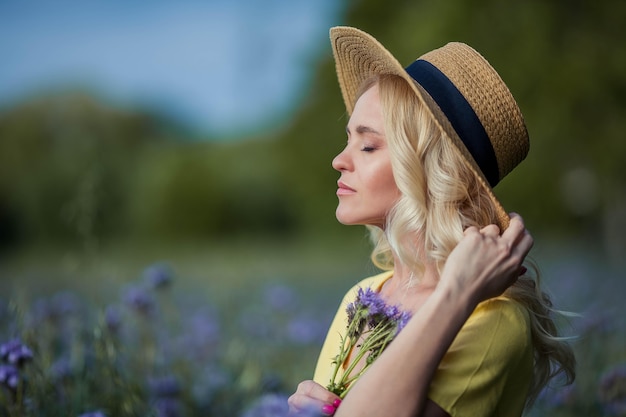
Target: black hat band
(460, 114)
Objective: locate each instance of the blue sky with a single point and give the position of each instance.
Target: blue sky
(221, 65)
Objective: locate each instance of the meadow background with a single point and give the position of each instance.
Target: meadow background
(156, 260)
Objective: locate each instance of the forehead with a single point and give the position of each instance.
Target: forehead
(367, 111)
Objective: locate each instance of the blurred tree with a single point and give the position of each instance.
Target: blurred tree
(74, 168)
(203, 190)
(64, 164)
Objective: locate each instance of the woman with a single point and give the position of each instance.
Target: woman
(426, 144)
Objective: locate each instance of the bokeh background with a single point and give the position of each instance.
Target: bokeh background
(199, 135)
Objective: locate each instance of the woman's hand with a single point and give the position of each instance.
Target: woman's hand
(312, 397)
(484, 263)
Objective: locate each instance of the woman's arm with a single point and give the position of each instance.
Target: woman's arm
(482, 266)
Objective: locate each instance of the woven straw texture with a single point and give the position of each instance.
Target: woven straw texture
(358, 56)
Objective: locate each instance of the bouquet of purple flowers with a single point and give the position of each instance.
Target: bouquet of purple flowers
(372, 325)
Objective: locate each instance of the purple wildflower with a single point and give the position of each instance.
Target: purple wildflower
(383, 322)
(158, 276)
(205, 327)
(392, 312)
(9, 377)
(56, 307)
(60, 369)
(612, 391)
(211, 381)
(198, 339)
(371, 300)
(281, 298)
(402, 321)
(269, 405)
(304, 330)
(168, 407)
(113, 318)
(15, 352)
(41, 311)
(351, 311)
(65, 303)
(380, 312)
(165, 387)
(139, 300)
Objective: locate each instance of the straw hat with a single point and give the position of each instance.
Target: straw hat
(464, 94)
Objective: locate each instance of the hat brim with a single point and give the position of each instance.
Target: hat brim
(359, 56)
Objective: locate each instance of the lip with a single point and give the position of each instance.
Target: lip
(344, 189)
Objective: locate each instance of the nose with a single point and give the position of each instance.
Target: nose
(342, 162)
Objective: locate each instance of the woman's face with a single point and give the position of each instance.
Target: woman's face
(366, 188)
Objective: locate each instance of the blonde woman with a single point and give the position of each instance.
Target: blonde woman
(426, 145)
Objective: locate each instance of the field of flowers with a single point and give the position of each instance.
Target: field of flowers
(151, 341)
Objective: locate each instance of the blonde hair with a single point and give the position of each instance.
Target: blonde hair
(440, 197)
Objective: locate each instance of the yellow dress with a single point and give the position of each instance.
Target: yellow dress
(486, 372)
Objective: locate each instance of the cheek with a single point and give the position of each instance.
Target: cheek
(386, 187)
(393, 194)
(388, 180)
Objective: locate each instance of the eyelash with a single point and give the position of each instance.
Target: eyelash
(368, 149)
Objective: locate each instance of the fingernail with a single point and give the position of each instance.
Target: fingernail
(336, 403)
(328, 409)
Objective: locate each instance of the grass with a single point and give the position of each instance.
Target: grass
(239, 320)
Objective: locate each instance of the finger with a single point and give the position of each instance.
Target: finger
(521, 249)
(312, 398)
(470, 230)
(302, 404)
(490, 230)
(515, 230)
(526, 243)
(517, 219)
(315, 390)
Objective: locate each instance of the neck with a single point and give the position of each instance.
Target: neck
(407, 278)
(408, 289)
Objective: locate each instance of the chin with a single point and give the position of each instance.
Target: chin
(352, 221)
(345, 220)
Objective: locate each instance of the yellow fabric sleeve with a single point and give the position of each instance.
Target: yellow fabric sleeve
(488, 369)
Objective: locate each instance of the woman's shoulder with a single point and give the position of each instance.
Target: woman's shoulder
(502, 308)
(503, 321)
(490, 363)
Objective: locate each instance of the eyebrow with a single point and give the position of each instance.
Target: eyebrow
(361, 129)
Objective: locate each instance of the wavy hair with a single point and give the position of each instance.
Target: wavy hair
(440, 197)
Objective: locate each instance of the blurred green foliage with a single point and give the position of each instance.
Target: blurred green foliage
(75, 169)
